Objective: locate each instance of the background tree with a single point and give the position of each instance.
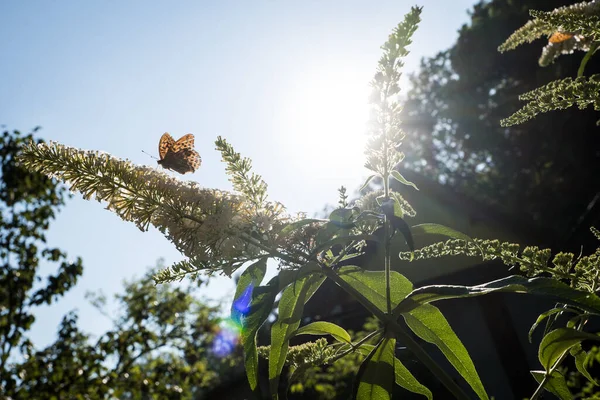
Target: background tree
(452, 122)
(28, 202)
(159, 347)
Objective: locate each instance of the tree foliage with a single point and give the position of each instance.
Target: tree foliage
(28, 203)
(160, 346)
(458, 98)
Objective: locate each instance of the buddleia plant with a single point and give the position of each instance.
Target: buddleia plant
(569, 29)
(220, 232)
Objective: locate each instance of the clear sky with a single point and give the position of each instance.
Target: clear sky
(286, 82)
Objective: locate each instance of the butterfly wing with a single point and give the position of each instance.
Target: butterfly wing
(183, 161)
(184, 142)
(165, 143)
(559, 37)
(179, 155)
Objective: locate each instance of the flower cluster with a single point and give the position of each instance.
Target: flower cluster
(579, 22)
(558, 95)
(303, 355)
(206, 225)
(582, 273)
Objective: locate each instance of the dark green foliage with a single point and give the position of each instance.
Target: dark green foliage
(28, 202)
(452, 115)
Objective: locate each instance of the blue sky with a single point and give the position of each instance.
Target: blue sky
(285, 82)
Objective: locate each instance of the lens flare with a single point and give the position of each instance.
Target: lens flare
(227, 338)
(230, 329)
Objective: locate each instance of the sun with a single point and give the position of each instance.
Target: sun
(326, 112)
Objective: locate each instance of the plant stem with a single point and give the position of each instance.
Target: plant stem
(354, 346)
(540, 388)
(386, 221)
(585, 60)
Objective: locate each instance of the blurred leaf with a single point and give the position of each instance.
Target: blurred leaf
(402, 179)
(299, 224)
(367, 181)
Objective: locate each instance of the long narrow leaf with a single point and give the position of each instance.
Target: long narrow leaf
(550, 288)
(342, 240)
(367, 181)
(376, 380)
(437, 229)
(259, 310)
(298, 224)
(429, 324)
(398, 176)
(325, 328)
(404, 377)
(250, 278)
(291, 306)
(581, 358)
(545, 315)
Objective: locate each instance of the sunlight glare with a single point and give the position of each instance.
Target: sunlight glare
(326, 113)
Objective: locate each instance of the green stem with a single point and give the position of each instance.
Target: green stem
(386, 222)
(585, 60)
(540, 388)
(354, 346)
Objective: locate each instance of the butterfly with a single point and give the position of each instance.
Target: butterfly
(559, 37)
(179, 155)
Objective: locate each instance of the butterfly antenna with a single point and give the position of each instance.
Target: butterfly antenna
(149, 155)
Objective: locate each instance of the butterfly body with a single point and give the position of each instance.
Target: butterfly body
(179, 155)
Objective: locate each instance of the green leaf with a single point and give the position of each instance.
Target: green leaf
(260, 308)
(404, 377)
(291, 306)
(437, 229)
(371, 284)
(326, 232)
(429, 324)
(400, 225)
(555, 384)
(376, 375)
(250, 278)
(325, 328)
(555, 343)
(407, 380)
(367, 181)
(545, 315)
(298, 224)
(343, 240)
(398, 176)
(581, 358)
(553, 289)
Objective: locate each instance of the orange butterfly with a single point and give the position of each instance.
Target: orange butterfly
(179, 155)
(559, 37)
